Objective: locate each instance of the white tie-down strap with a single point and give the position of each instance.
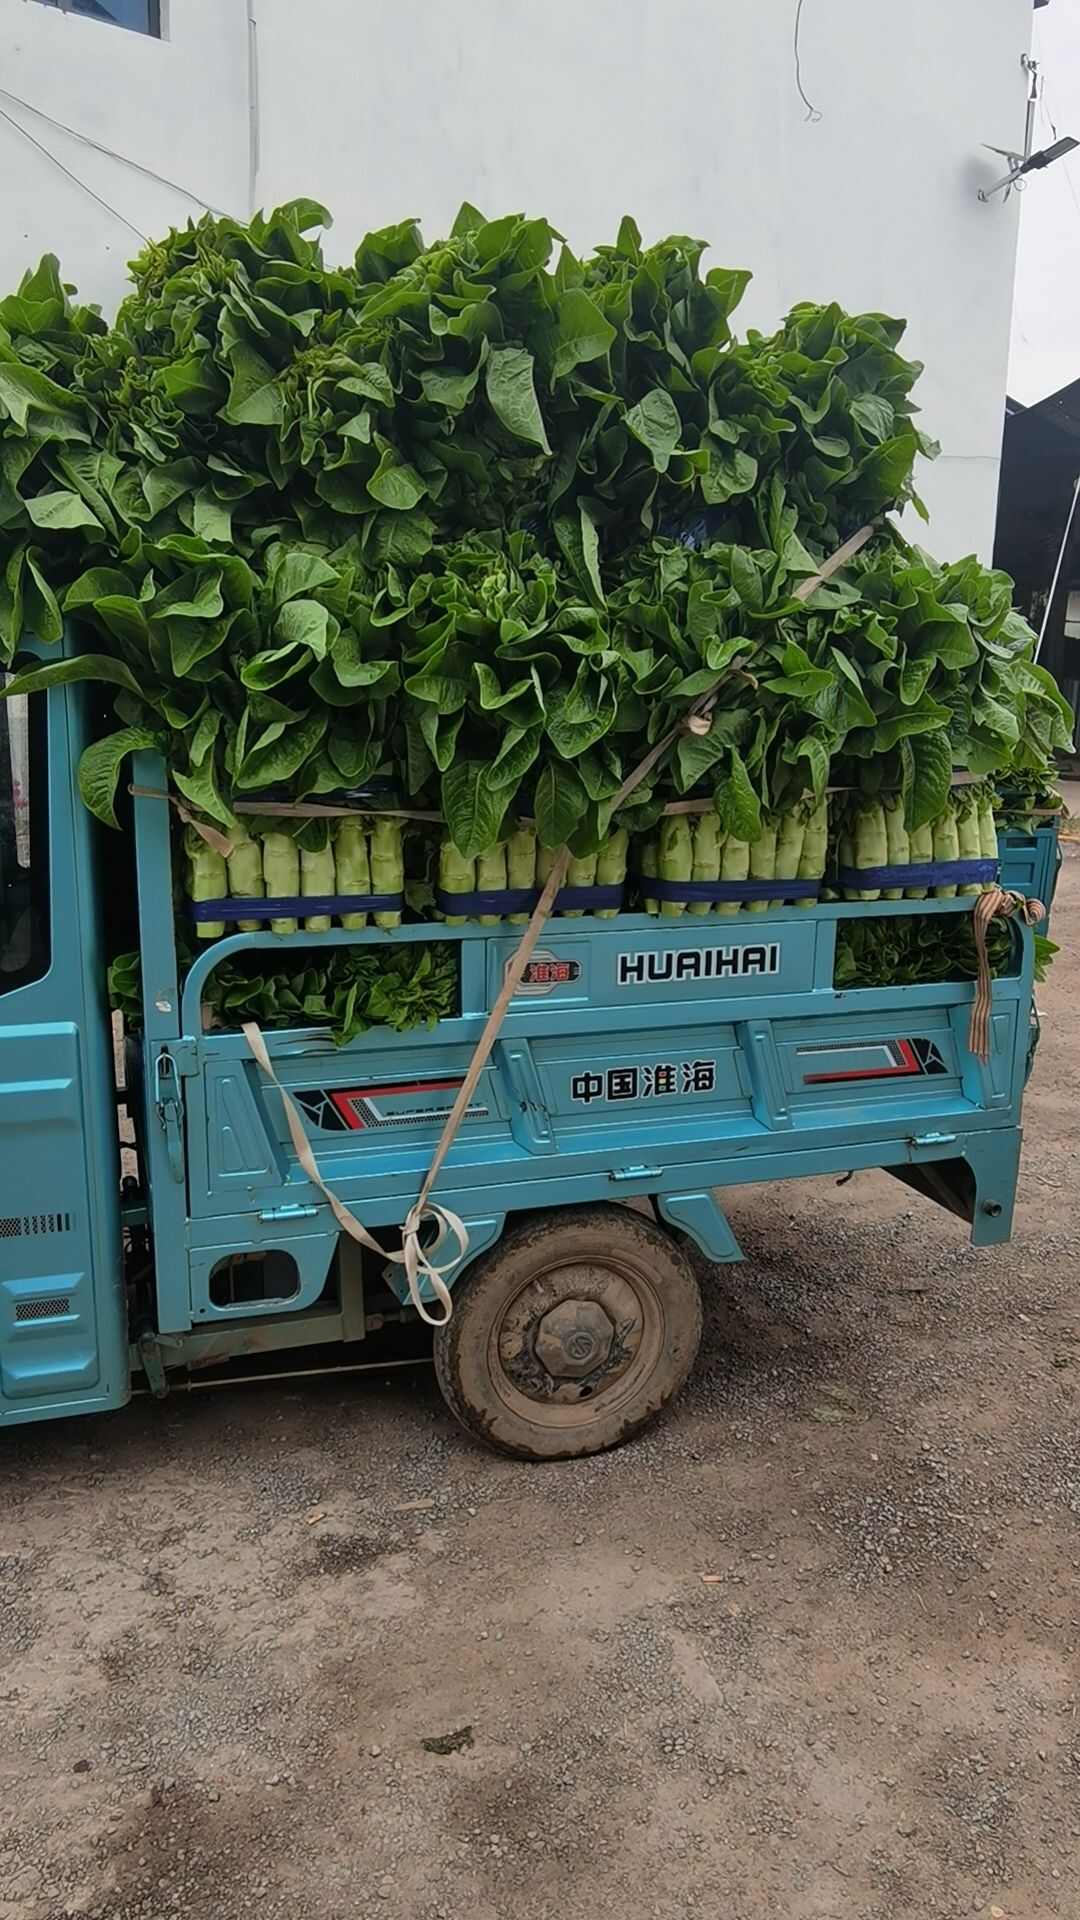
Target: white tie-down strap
(418, 1262)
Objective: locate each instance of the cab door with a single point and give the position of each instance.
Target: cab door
(63, 1345)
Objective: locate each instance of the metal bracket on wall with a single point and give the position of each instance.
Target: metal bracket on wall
(1021, 164)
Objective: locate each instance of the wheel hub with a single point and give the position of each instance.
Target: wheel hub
(571, 1334)
(574, 1338)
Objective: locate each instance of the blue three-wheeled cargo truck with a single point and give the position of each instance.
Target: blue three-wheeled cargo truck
(642, 1060)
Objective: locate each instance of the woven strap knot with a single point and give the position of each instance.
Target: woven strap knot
(994, 904)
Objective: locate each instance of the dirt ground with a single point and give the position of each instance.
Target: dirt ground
(809, 1649)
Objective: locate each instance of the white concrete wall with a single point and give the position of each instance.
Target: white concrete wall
(178, 105)
(1045, 355)
(684, 112)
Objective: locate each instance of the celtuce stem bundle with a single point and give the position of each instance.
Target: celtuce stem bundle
(871, 833)
(694, 847)
(358, 857)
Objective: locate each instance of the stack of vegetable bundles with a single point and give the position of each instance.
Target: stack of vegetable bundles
(472, 526)
(871, 837)
(331, 858)
(694, 848)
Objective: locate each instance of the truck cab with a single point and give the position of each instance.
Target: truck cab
(63, 1323)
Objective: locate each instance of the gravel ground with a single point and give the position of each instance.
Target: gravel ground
(807, 1650)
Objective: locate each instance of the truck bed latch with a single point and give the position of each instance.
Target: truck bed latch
(169, 1103)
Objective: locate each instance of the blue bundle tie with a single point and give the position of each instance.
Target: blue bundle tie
(505, 900)
(719, 890)
(692, 530)
(929, 873)
(294, 907)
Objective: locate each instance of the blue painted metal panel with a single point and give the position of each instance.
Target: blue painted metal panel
(312, 1253)
(990, 1155)
(483, 1231)
(700, 1215)
(1030, 863)
(586, 1098)
(48, 1345)
(63, 1334)
(161, 1010)
(663, 962)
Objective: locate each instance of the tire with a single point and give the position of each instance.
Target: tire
(571, 1334)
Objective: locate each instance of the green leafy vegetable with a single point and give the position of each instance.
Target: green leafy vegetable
(346, 989)
(921, 950)
(484, 521)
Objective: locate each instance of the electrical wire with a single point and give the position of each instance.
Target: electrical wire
(812, 113)
(1049, 118)
(125, 160)
(81, 184)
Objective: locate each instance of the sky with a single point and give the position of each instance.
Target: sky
(1045, 353)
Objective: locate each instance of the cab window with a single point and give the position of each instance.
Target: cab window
(24, 890)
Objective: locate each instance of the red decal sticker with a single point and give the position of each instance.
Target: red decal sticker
(349, 1101)
(907, 1064)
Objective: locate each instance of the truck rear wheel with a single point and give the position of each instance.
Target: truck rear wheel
(571, 1334)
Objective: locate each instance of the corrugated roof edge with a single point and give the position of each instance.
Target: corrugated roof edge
(1057, 413)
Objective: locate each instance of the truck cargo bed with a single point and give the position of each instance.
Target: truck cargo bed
(640, 1056)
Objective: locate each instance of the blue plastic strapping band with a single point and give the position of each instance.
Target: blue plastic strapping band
(931, 873)
(720, 890)
(293, 907)
(504, 900)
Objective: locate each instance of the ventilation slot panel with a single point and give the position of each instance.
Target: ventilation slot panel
(50, 1307)
(32, 1226)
